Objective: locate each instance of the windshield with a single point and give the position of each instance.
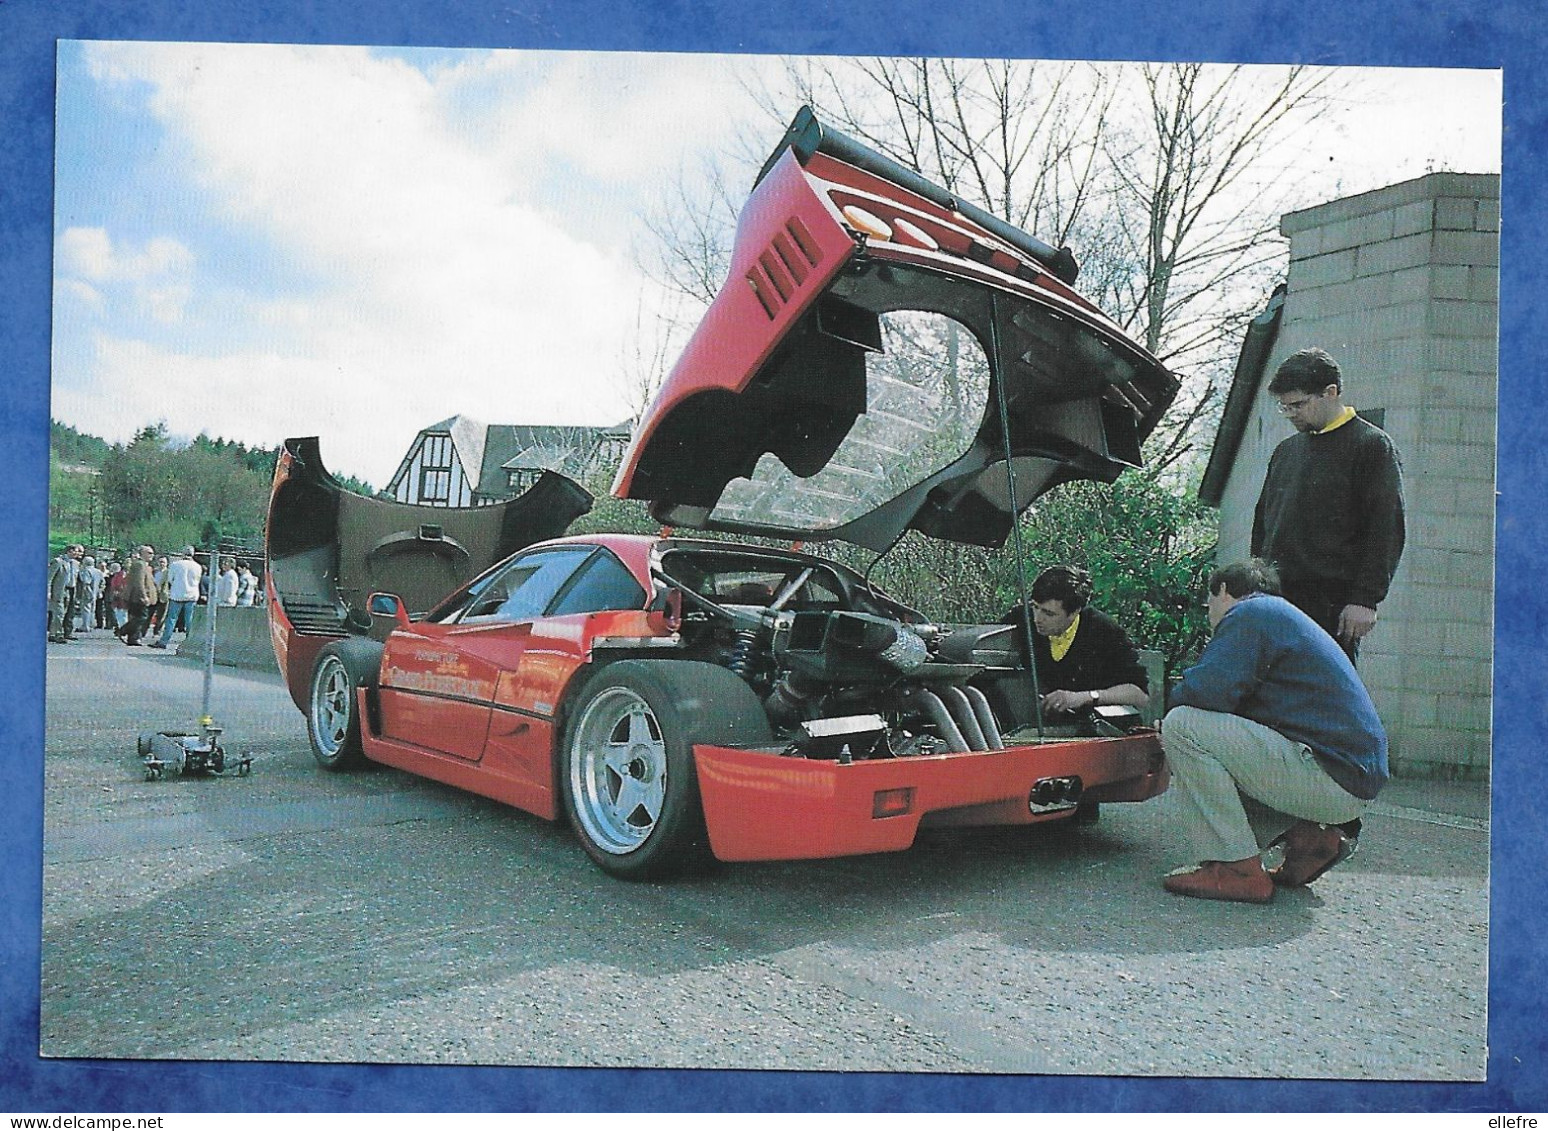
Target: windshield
(926, 395)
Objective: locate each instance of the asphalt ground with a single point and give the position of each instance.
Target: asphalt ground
(297, 915)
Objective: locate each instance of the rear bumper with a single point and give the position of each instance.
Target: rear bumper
(760, 806)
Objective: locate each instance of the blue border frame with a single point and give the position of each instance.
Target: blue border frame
(1467, 33)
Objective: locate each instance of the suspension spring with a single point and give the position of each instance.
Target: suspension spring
(743, 652)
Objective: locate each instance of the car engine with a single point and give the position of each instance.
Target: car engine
(842, 670)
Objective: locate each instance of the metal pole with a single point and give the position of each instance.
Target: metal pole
(1015, 511)
(205, 718)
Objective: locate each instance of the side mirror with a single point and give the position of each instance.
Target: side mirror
(665, 613)
(388, 605)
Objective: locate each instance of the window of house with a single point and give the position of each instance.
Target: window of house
(434, 486)
(435, 464)
(437, 450)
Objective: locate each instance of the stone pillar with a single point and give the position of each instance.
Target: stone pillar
(1401, 285)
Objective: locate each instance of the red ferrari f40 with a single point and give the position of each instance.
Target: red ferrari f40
(882, 358)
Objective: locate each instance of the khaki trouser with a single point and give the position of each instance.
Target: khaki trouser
(1239, 785)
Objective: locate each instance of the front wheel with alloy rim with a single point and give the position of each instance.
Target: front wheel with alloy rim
(630, 787)
(333, 707)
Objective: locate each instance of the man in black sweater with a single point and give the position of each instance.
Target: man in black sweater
(1084, 659)
(1330, 516)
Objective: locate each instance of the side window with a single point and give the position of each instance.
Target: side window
(524, 588)
(604, 584)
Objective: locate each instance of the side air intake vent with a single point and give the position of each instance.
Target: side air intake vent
(315, 618)
(783, 266)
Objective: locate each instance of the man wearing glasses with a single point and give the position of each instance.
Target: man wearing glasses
(1330, 516)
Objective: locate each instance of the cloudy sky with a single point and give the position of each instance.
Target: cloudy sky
(265, 241)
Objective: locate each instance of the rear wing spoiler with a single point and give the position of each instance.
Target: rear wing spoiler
(806, 136)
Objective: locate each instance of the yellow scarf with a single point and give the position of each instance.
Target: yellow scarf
(1059, 645)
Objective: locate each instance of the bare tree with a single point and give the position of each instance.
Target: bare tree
(1164, 178)
(689, 232)
(647, 354)
(1019, 138)
(1195, 216)
(691, 228)
(1196, 198)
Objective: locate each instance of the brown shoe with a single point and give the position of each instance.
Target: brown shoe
(1310, 850)
(1240, 881)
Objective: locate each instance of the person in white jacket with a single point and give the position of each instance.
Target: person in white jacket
(247, 585)
(226, 584)
(87, 590)
(183, 576)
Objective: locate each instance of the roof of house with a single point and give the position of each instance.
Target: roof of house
(1245, 383)
(552, 457)
(486, 451)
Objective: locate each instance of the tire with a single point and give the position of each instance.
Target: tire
(332, 706)
(627, 775)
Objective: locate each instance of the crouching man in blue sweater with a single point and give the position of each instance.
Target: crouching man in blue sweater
(1273, 740)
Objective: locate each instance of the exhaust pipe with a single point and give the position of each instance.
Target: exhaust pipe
(963, 717)
(942, 719)
(993, 740)
(966, 720)
(1051, 795)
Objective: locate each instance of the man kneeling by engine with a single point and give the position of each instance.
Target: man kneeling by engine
(1273, 740)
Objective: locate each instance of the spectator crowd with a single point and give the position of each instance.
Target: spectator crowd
(140, 594)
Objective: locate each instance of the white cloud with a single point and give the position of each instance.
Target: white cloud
(87, 252)
(161, 256)
(1399, 123)
(68, 291)
(366, 388)
(437, 290)
(256, 398)
(153, 275)
(90, 252)
(610, 116)
(165, 304)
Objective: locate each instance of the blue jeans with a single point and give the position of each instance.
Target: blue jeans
(178, 613)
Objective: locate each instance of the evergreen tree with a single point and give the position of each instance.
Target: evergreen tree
(156, 491)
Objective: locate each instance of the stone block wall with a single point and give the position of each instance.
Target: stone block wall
(1401, 285)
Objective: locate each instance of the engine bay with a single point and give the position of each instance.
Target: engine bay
(845, 672)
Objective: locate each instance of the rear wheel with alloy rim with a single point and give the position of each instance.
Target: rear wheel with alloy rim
(333, 707)
(629, 783)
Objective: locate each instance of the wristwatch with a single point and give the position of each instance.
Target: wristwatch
(1096, 697)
